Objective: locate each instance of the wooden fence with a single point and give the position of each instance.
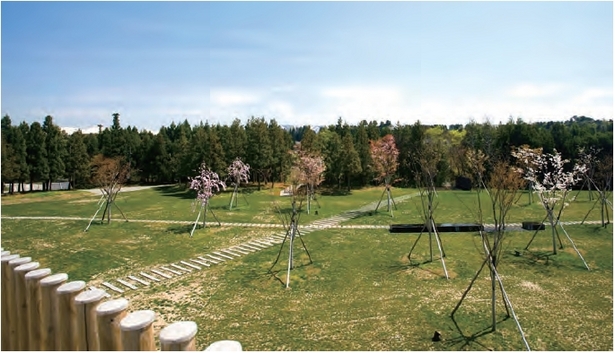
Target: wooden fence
(42, 311)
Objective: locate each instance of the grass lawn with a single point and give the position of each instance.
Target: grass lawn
(360, 293)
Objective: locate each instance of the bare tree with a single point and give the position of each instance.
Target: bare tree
(502, 189)
(109, 174)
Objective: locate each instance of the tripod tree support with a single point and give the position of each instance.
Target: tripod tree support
(238, 172)
(503, 190)
(109, 175)
(385, 155)
(308, 169)
(292, 230)
(552, 184)
(205, 184)
(425, 175)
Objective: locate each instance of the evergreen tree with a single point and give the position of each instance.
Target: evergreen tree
(78, 161)
(56, 151)
(37, 154)
(363, 149)
(309, 142)
(237, 142)
(259, 152)
(281, 143)
(332, 152)
(351, 164)
(20, 148)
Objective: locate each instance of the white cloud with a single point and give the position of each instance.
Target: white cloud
(592, 96)
(530, 90)
(230, 97)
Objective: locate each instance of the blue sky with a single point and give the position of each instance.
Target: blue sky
(305, 62)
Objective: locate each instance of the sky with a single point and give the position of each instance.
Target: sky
(305, 62)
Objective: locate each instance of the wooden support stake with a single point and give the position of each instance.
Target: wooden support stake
(138, 331)
(7, 300)
(33, 287)
(67, 315)
(108, 315)
(224, 346)
(13, 343)
(179, 336)
(21, 302)
(49, 313)
(87, 328)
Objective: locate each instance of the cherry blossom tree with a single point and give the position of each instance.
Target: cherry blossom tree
(384, 155)
(206, 184)
(312, 170)
(552, 184)
(238, 172)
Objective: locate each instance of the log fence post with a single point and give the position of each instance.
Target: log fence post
(7, 300)
(21, 302)
(87, 328)
(34, 302)
(138, 331)
(49, 314)
(109, 314)
(67, 315)
(13, 323)
(179, 336)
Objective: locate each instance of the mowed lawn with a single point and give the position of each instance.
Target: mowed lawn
(360, 292)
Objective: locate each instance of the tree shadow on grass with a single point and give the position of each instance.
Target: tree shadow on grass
(415, 265)
(274, 273)
(464, 341)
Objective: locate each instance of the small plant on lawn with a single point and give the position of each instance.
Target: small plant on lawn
(384, 155)
(205, 184)
(238, 172)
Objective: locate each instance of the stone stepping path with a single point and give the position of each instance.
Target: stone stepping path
(162, 273)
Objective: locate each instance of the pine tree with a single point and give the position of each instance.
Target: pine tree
(362, 146)
(78, 161)
(351, 164)
(37, 154)
(259, 152)
(56, 151)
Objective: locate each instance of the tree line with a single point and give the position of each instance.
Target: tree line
(43, 153)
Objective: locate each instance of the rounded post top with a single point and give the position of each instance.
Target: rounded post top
(9, 258)
(71, 287)
(4, 253)
(19, 261)
(178, 332)
(54, 279)
(38, 274)
(89, 296)
(112, 306)
(27, 267)
(224, 346)
(137, 320)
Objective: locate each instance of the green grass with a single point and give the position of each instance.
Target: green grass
(360, 292)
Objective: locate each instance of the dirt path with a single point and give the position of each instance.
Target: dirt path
(127, 188)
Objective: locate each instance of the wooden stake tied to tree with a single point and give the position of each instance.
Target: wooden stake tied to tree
(502, 187)
(238, 172)
(205, 184)
(385, 155)
(109, 174)
(552, 184)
